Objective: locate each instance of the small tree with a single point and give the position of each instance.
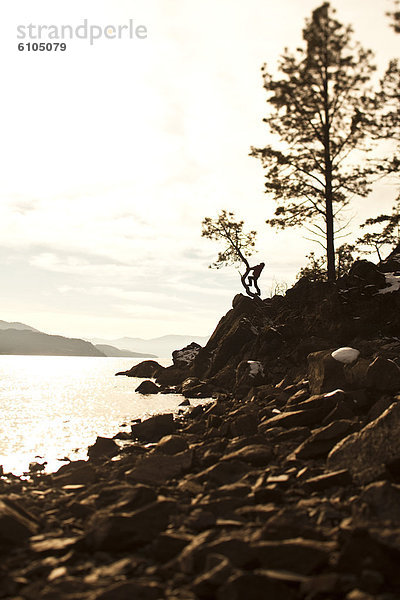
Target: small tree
(319, 106)
(236, 242)
(315, 270)
(388, 235)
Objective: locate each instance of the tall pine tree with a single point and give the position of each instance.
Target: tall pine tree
(319, 106)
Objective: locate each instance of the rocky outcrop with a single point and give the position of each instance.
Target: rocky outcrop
(285, 485)
(147, 368)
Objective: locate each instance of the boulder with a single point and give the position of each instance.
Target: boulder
(139, 589)
(16, 525)
(295, 555)
(384, 375)
(129, 530)
(75, 473)
(193, 387)
(148, 387)
(254, 586)
(367, 453)
(367, 273)
(172, 444)
(154, 428)
(147, 368)
(103, 447)
(324, 372)
(256, 455)
(249, 373)
(186, 356)
(379, 501)
(329, 479)
(155, 469)
(172, 375)
(323, 439)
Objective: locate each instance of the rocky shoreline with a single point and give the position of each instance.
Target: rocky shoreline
(286, 485)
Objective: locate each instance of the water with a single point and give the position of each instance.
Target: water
(56, 406)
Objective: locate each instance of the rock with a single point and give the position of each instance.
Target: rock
(296, 555)
(16, 525)
(147, 368)
(129, 530)
(249, 373)
(148, 387)
(75, 473)
(254, 454)
(254, 586)
(186, 356)
(158, 468)
(384, 375)
(194, 388)
(238, 551)
(128, 590)
(172, 375)
(244, 424)
(309, 412)
(167, 545)
(103, 447)
(327, 480)
(185, 402)
(380, 501)
(172, 444)
(223, 472)
(322, 440)
(367, 273)
(324, 372)
(154, 428)
(367, 452)
(217, 570)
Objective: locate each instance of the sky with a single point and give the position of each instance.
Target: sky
(112, 153)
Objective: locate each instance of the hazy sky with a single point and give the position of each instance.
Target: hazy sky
(112, 154)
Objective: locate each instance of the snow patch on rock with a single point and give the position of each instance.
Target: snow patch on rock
(393, 281)
(346, 355)
(255, 368)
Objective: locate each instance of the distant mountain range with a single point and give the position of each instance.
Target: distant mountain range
(161, 346)
(19, 338)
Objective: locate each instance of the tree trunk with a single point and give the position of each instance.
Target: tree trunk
(330, 244)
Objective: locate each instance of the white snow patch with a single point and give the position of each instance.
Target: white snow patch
(333, 393)
(346, 355)
(393, 281)
(255, 367)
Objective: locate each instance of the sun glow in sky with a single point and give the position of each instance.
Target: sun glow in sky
(111, 155)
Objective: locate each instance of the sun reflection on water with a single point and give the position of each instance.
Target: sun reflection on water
(55, 406)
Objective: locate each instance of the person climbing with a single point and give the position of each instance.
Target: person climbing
(252, 274)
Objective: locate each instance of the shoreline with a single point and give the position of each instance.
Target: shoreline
(235, 496)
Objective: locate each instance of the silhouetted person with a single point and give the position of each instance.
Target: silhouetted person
(252, 274)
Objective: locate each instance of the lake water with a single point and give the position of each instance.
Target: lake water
(56, 406)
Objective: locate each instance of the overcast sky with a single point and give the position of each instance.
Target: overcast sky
(111, 154)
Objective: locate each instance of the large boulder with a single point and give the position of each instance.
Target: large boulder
(154, 428)
(325, 373)
(249, 373)
(148, 387)
(128, 531)
(16, 525)
(367, 273)
(103, 447)
(147, 368)
(155, 469)
(369, 453)
(186, 356)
